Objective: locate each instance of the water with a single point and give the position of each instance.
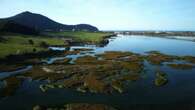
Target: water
(142, 44)
(4, 75)
(180, 88)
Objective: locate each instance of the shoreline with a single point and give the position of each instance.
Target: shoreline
(158, 33)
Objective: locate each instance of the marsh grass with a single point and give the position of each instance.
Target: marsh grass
(181, 66)
(12, 83)
(161, 79)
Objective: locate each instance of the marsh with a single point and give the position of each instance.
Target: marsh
(124, 71)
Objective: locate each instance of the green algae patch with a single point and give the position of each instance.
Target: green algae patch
(12, 83)
(161, 79)
(157, 58)
(181, 66)
(112, 55)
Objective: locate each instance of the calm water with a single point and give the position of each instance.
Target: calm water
(180, 88)
(141, 44)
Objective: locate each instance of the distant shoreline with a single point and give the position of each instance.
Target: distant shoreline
(180, 35)
(157, 33)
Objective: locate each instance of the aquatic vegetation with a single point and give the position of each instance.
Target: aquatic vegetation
(90, 74)
(86, 60)
(134, 58)
(190, 59)
(83, 49)
(161, 79)
(45, 87)
(130, 77)
(32, 61)
(72, 82)
(117, 85)
(88, 107)
(181, 66)
(87, 77)
(64, 61)
(75, 81)
(93, 84)
(8, 68)
(90, 60)
(112, 55)
(103, 73)
(74, 52)
(157, 58)
(37, 72)
(12, 83)
(136, 67)
(75, 106)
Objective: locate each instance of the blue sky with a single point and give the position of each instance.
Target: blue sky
(111, 14)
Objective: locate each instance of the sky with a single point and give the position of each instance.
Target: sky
(111, 14)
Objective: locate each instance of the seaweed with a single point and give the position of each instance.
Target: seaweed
(94, 85)
(112, 55)
(12, 83)
(161, 79)
(157, 58)
(75, 106)
(181, 66)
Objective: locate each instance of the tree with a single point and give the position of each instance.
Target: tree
(44, 44)
(34, 49)
(31, 42)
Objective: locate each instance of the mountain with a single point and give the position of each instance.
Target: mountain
(11, 26)
(43, 23)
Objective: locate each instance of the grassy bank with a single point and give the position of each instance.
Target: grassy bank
(19, 44)
(81, 36)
